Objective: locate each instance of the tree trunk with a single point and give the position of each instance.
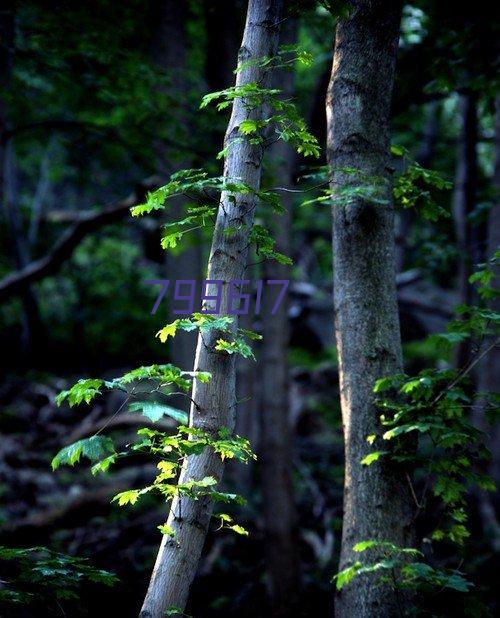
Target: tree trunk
(31, 337)
(276, 448)
(492, 370)
(376, 498)
(464, 202)
(169, 51)
(223, 23)
(178, 558)
(487, 376)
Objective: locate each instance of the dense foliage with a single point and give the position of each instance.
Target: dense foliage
(99, 101)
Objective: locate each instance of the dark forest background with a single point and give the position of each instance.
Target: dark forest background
(99, 104)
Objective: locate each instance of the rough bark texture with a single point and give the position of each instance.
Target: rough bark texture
(376, 498)
(178, 558)
(464, 202)
(276, 447)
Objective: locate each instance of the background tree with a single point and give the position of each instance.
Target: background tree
(376, 499)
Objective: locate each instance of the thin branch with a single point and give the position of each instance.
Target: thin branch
(17, 281)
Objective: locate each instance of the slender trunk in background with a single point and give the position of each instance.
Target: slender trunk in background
(377, 503)
(464, 202)
(169, 51)
(489, 372)
(223, 23)
(32, 327)
(6, 59)
(492, 371)
(276, 447)
(178, 558)
(424, 158)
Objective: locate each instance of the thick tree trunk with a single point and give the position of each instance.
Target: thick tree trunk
(178, 558)
(376, 498)
(276, 447)
(464, 202)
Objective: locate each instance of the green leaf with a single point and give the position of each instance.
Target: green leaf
(104, 465)
(372, 457)
(167, 331)
(83, 391)
(364, 545)
(93, 448)
(166, 530)
(130, 496)
(418, 574)
(398, 151)
(347, 575)
(201, 376)
(486, 483)
(165, 374)
(155, 411)
(383, 384)
(248, 126)
(238, 346)
(170, 241)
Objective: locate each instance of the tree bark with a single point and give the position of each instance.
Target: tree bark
(464, 202)
(377, 503)
(178, 558)
(276, 448)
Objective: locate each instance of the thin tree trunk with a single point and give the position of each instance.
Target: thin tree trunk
(464, 201)
(424, 158)
(492, 370)
(377, 503)
(169, 51)
(32, 327)
(276, 449)
(178, 558)
(487, 376)
(6, 60)
(223, 23)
